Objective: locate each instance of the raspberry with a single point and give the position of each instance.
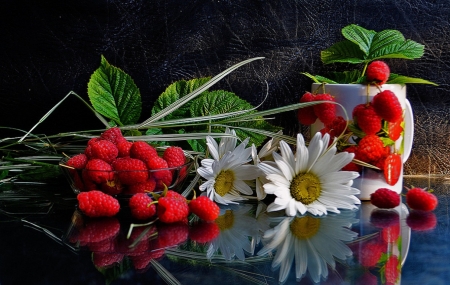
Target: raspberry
(95, 203)
(326, 112)
(176, 195)
(371, 253)
(378, 72)
(130, 170)
(106, 259)
(124, 148)
(306, 115)
(387, 106)
(141, 206)
(337, 127)
(352, 166)
(113, 135)
(421, 220)
(382, 218)
(171, 210)
(381, 162)
(395, 129)
(98, 230)
(391, 234)
(392, 269)
(370, 148)
(104, 150)
(77, 161)
(419, 199)
(367, 119)
(144, 187)
(204, 232)
(161, 175)
(392, 169)
(172, 234)
(385, 198)
(112, 187)
(174, 156)
(99, 171)
(143, 151)
(204, 208)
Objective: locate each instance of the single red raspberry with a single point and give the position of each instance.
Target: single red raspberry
(144, 187)
(381, 162)
(158, 170)
(141, 206)
(371, 253)
(337, 127)
(104, 150)
(385, 198)
(392, 269)
(306, 115)
(370, 148)
(171, 210)
(95, 203)
(352, 166)
(383, 218)
(366, 118)
(113, 135)
(176, 195)
(98, 230)
(421, 220)
(326, 112)
(387, 106)
(174, 156)
(395, 129)
(204, 208)
(98, 171)
(420, 199)
(77, 161)
(143, 151)
(378, 72)
(204, 232)
(391, 234)
(130, 170)
(124, 148)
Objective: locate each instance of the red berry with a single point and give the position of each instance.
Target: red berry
(352, 166)
(204, 208)
(143, 151)
(204, 232)
(367, 119)
(130, 170)
(124, 148)
(395, 129)
(113, 135)
(306, 115)
(171, 210)
(421, 220)
(158, 171)
(392, 269)
(99, 171)
(419, 199)
(326, 112)
(391, 234)
(144, 187)
(141, 206)
(378, 72)
(371, 252)
(392, 168)
(174, 156)
(98, 230)
(95, 203)
(370, 148)
(383, 218)
(104, 150)
(385, 198)
(77, 161)
(106, 259)
(387, 106)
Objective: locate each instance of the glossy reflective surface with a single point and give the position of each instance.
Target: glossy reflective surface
(45, 240)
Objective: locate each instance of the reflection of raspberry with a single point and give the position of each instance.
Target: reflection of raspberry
(130, 170)
(204, 232)
(306, 115)
(174, 156)
(98, 230)
(421, 220)
(371, 253)
(420, 199)
(378, 72)
(382, 218)
(172, 234)
(106, 259)
(392, 269)
(367, 119)
(370, 148)
(387, 106)
(97, 204)
(391, 234)
(326, 112)
(385, 198)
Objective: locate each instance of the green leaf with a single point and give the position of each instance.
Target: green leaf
(114, 94)
(400, 79)
(319, 78)
(44, 172)
(346, 76)
(198, 145)
(344, 51)
(174, 92)
(359, 36)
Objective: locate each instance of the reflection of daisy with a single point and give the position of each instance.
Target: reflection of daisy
(227, 170)
(235, 233)
(310, 180)
(313, 242)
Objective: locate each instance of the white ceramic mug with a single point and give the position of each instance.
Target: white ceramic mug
(351, 95)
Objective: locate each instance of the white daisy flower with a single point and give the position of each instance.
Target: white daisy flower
(228, 170)
(310, 180)
(313, 242)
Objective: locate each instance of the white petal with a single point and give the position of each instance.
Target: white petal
(287, 170)
(242, 187)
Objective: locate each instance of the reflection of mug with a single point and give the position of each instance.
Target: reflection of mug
(351, 95)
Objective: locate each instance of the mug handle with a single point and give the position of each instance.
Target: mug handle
(409, 131)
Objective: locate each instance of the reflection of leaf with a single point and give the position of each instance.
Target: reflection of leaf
(114, 94)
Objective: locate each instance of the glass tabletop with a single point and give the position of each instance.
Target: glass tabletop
(44, 239)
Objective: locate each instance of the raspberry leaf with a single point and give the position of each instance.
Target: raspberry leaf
(114, 94)
(400, 79)
(359, 36)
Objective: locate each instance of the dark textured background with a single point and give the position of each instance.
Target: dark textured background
(49, 48)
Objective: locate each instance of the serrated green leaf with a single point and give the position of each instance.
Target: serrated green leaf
(198, 145)
(344, 51)
(385, 38)
(359, 36)
(174, 92)
(114, 94)
(404, 50)
(319, 78)
(400, 79)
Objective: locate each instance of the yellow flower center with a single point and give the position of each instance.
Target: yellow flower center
(226, 220)
(305, 188)
(224, 182)
(305, 227)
